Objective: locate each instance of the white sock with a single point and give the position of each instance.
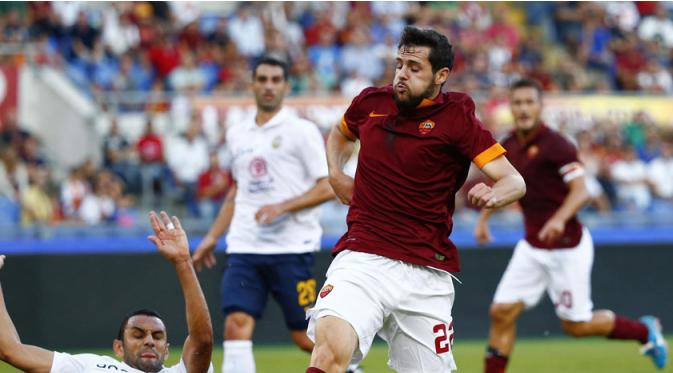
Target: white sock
(238, 357)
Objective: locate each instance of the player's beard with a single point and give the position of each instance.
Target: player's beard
(413, 101)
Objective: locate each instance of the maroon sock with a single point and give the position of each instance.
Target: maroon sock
(628, 329)
(494, 362)
(314, 370)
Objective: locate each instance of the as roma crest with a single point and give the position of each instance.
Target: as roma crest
(325, 290)
(532, 151)
(426, 126)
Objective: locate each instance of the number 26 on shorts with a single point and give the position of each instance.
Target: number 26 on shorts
(443, 338)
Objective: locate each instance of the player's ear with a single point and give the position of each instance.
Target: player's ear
(442, 75)
(118, 348)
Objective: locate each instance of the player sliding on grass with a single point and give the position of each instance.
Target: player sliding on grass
(142, 342)
(557, 253)
(391, 272)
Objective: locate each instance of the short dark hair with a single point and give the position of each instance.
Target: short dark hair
(144, 312)
(273, 61)
(441, 51)
(526, 83)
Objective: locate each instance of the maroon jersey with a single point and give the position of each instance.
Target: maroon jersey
(547, 161)
(409, 169)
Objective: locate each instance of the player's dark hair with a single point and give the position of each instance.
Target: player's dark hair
(273, 61)
(144, 312)
(441, 51)
(526, 83)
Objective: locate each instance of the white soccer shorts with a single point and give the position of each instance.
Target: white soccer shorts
(407, 305)
(564, 273)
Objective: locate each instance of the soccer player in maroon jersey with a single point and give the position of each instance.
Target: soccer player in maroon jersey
(556, 254)
(391, 274)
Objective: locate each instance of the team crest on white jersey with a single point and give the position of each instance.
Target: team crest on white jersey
(276, 142)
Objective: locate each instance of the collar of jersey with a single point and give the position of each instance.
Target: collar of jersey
(541, 128)
(439, 99)
(275, 121)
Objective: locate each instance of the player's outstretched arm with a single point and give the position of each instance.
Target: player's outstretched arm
(24, 357)
(576, 198)
(171, 241)
(508, 187)
(203, 255)
(339, 150)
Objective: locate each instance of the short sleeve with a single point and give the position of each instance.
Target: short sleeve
(181, 368)
(563, 155)
(474, 140)
(66, 363)
(357, 113)
(312, 151)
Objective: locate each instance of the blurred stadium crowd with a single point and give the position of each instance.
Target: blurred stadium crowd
(149, 48)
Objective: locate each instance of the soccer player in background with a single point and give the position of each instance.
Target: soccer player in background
(556, 253)
(391, 274)
(142, 342)
(271, 211)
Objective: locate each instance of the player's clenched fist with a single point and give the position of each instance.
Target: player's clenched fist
(482, 195)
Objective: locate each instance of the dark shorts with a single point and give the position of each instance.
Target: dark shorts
(248, 279)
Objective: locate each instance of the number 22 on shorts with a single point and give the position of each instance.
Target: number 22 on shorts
(443, 338)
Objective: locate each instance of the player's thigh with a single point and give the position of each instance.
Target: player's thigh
(570, 284)
(525, 278)
(243, 288)
(293, 286)
(420, 331)
(354, 293)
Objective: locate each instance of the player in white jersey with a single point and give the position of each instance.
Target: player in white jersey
(142, 342)
(280, 173)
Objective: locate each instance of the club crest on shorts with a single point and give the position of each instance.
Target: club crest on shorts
(325, 290)
(426, 126)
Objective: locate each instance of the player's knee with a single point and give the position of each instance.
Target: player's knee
(502, 313)
(238, 325)
(574, 329)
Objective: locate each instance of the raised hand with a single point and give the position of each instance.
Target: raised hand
(169, 237)
(2, 261)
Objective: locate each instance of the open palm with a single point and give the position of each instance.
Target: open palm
(169, 237)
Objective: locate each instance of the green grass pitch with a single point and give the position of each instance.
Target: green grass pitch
(550, 355)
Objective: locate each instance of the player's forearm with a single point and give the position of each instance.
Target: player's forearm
(339, 150)
(508, 189)
(223, 219)
(318, 194)
(24, 357)
(577, 197)
(199, 326)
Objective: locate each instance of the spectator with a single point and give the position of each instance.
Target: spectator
(630, 177)
(187, 77)
(247, 31)
(324, 58)
(83, 37)
(658, 27)
(188, 157)
(73, 191)
(164, 55)
(213, 185)
(120, 34)
(10, 133)
(660, 173)
(117, 154)
(151, 153)
(655, 79)
(37, 206)
(359, 58)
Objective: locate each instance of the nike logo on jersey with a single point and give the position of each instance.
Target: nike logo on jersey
(375, 115)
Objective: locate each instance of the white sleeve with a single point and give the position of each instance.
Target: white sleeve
(312, 151)
(66, 363)
(181, 368)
